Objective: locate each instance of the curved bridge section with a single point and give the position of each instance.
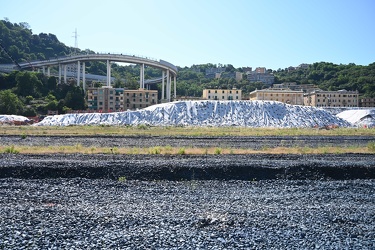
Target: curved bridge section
(163, 65)
(169, 70)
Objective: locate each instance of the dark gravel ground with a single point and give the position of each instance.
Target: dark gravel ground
(78, 213)
(253, 142)
(187, 202)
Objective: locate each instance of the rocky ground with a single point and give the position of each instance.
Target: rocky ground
(186, 202)
(253, 142)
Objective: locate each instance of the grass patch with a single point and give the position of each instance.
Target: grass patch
(179, 131)
(218, 151)
(11, 150)
(181, 151)
(155, 150)
(167, 150)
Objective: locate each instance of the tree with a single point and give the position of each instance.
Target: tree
(74, 99)
(28, 84)
(10, 104)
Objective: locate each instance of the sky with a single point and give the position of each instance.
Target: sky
(244, 33)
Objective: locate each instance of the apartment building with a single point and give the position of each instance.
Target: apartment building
(260, 75)
(140, 98)
(367, 102)
(222, 94)
(294, 97)
(295, 86)
(341, 98)
(105, 99)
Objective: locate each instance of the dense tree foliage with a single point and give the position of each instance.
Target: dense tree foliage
(329, 76)
(25, 46)
(10, 104)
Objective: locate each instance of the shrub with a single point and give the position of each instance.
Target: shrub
(11, 150)
(181, 151)
(217, 151)
(23, 136)
(155, 151)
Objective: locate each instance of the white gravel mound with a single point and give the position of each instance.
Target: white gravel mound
(359, 117)
(208, 113)
(13, 118)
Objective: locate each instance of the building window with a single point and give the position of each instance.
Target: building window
(209, 91)
(222, 97)
(236, 97)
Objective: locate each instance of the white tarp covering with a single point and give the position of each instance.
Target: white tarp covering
(359, 117)
(13, 118)
(208, 113)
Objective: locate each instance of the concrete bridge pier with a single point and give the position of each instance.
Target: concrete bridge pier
(78, 72)
(162, 86)
(59, 73)
(168, 87)
(108, 73)
(175, 90)
(142, 77)
(65, 77)
(84, 76)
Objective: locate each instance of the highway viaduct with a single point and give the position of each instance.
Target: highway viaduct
(169, 71)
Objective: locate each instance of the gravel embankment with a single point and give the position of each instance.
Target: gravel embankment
(81, 213)
(189, 167)
(249, 142)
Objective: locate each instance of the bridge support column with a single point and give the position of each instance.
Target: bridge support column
(168, 87)
(78, 72)
(174, 80)
(108, 73)
(65, 78)
(44, 70)
(162, 86)
(48, 71)
(59, 73)
(142, 77)
(84, 76)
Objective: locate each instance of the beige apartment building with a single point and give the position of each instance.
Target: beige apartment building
(222, 94)
(367, 102)
(108, 99)
(105, 99)
(341, 98)
(140, 98)
(294, 97)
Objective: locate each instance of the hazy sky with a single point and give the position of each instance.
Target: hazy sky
(273, 34)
